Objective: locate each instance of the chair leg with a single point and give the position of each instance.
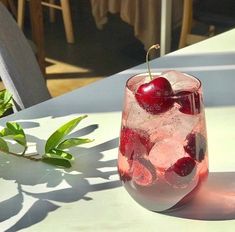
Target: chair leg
(20, 13)
(186, 22)
(67, 20)
(36, 19)
(52, 11)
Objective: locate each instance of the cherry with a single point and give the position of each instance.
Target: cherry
(181, 173)
(134, 143)
(124, 175)
(124, 166)
(196, 146)
(189, 102)
(154, 96)
(144, 172)
(184, 166)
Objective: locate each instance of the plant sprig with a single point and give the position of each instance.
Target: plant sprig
(55, 146)
(5, 102)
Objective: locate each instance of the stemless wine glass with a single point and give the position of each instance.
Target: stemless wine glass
(163, 158)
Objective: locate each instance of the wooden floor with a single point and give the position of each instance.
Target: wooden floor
(62, 82)
(59, 85)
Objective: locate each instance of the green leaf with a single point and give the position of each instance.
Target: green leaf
(3, 145)
(5, 107)
(2, 110)
(57, 162)
(14, 131)
(5, 132)
(56, 153)
(60, 133)
(5, 101)
(5, 96)
(73, 142)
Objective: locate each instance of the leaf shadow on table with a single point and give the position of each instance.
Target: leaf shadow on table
(29, 124)
(48, 188)
(214, 201)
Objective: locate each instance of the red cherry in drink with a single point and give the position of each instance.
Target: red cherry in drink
(124, 166)
(184, 166)
(134, 143)
(124, 175)
(181, 173)
(196, 146)
(189, 102)
(154, 96)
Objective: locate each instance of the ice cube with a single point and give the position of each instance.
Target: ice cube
(172, 123)
(181, 81)
(166, 152)
(183, 124)
(169, 137)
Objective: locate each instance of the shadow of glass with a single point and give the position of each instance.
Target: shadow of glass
(214, 201)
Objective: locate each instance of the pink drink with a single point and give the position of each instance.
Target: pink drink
(163, 147)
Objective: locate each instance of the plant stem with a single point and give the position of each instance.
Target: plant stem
(21, 155)
(155, 46)
(25, 149)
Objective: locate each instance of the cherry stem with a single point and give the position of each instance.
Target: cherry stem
(155, 46)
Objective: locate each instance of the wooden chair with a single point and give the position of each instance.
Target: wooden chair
(64, 6)
(10, 5)
(19, 69)
(186, 37)
(35, 9)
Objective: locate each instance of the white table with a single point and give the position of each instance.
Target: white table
(89, 197)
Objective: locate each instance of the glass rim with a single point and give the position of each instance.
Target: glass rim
(174, 96)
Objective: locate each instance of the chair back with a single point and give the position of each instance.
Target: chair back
(19, 70)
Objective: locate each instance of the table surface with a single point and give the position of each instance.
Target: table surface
(89, 196)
